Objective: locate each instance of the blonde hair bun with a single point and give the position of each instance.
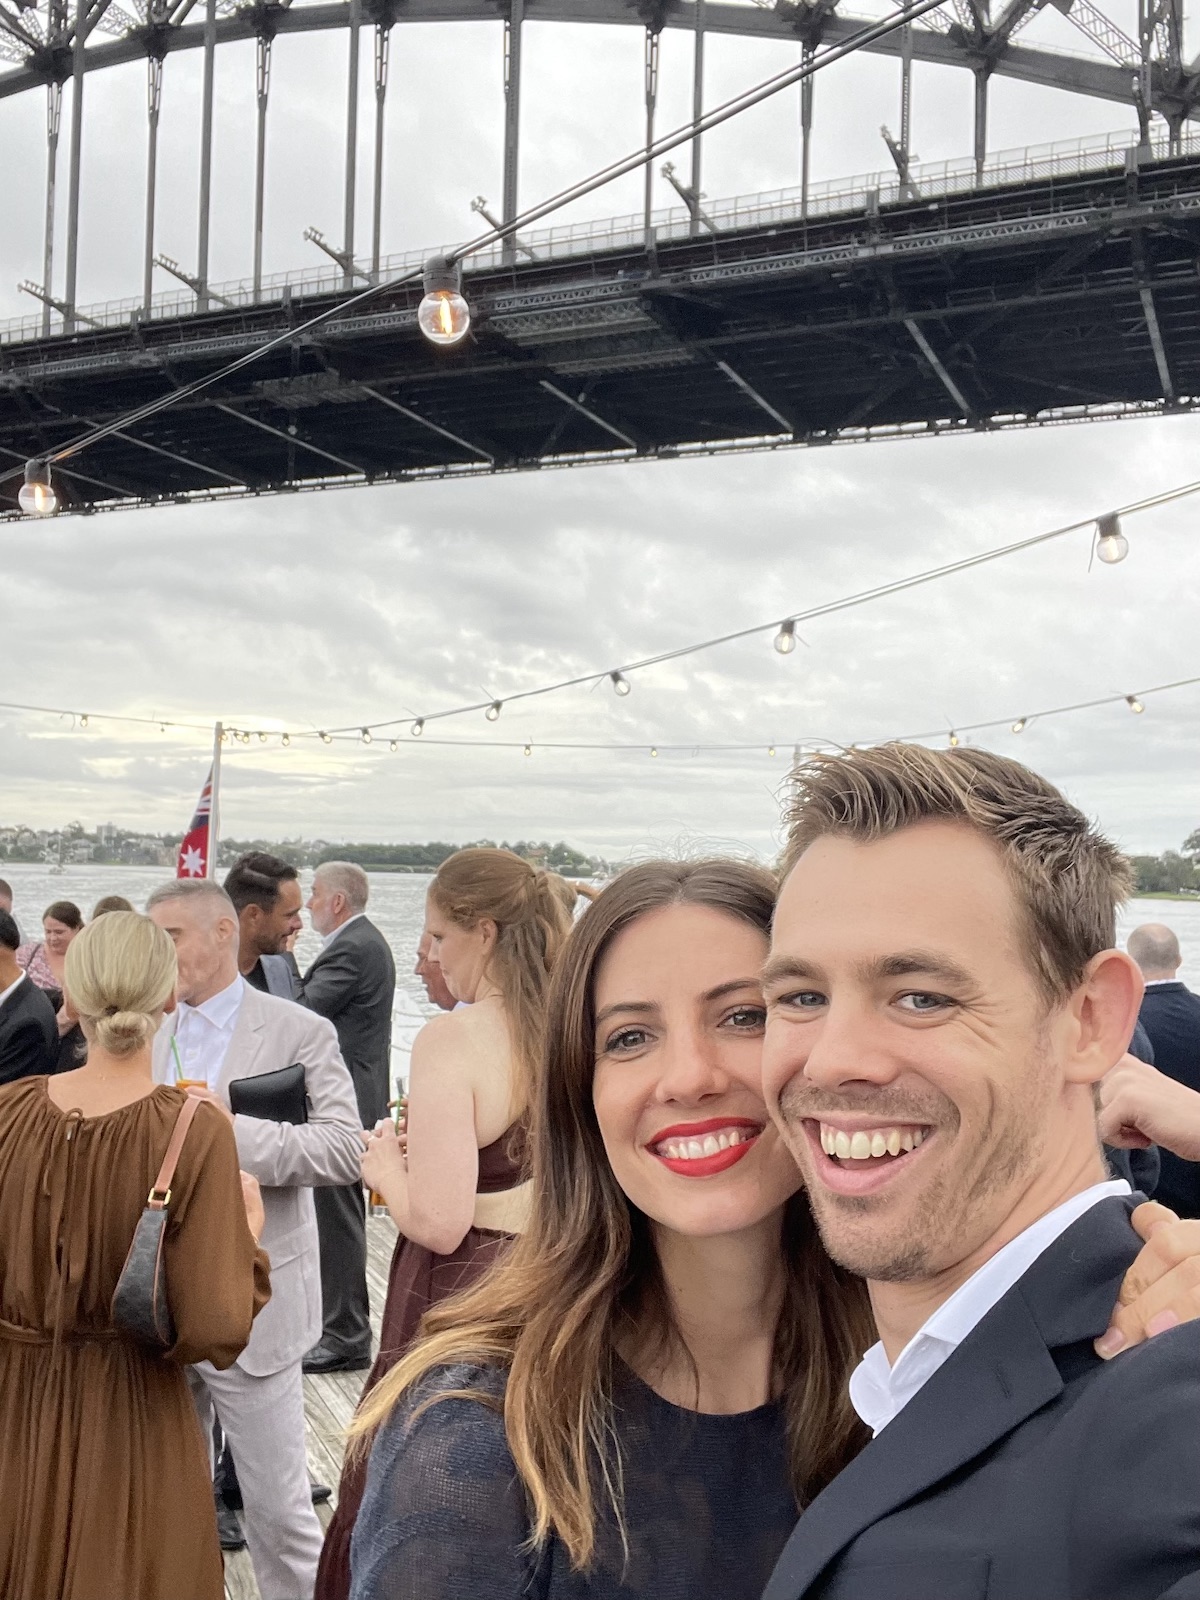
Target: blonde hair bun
(120, 973)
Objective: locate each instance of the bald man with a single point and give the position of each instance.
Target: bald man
(1170, 1015)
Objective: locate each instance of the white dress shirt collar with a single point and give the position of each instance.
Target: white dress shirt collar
(341, 927)
(1157, 983)
(12, 988)
(879, 1392)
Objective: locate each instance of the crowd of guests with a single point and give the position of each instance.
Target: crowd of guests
(758, 1233)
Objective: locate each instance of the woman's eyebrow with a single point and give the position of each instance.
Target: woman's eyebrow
(637, 1008)
(734, 986)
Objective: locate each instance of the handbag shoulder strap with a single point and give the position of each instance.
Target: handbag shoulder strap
(160, 1195)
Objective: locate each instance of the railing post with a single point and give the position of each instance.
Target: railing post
(382, 51)
(206, 138)
(351, 144)
(154, 70)
(53, 120)
(512, 122)
(76, 157)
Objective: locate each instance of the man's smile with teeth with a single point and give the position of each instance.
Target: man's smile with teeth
(869, 1144)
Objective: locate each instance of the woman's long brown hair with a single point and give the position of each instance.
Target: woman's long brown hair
(553, 1312)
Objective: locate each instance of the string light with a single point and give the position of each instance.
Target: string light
(528, 749)
(244, 737)
(785, 639)
(1019, 725)
(365, 735)
(771, 750)
(1134, 704)
(326, 738)
(286, 740)
(493, 711)
(262, 738)
(621, 684)
(418, 728)
(36, 496)
(443, 316)
(653, 749)
(83, 721)
(1111, 544)
(394, 746)
(954, 740)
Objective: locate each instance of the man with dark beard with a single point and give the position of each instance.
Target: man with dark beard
(943, 995)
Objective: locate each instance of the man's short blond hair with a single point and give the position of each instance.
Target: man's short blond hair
(1069, 879)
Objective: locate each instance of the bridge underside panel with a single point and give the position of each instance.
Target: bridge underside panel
(1029, 304)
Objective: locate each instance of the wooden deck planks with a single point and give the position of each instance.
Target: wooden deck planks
(329, 1404)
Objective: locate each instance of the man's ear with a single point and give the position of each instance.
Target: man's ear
(1102, 1013)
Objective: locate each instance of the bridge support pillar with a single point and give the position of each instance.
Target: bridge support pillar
(697, 111)
(154, 72)
(383, 42)
(76, 158)
(807, 85)
(351, 145)
(206, 138)
(512, 122)
(263, 82)
(53, 120)
(981, 111)
(652, 40)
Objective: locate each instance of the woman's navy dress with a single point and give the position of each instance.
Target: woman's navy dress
(708, 1505)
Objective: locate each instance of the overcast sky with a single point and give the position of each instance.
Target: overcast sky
(348, 607)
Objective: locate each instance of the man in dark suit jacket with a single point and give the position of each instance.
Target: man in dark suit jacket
(943, 996)
(352, 982)
(28, 1030)
(1171, 1016)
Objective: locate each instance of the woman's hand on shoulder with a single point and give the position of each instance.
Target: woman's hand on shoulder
(1162, 1287)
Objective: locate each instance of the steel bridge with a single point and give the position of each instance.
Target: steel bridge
(1002, 290)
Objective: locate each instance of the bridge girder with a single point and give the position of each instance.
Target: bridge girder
(981, 47)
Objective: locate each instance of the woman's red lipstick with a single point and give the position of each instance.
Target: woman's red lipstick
(706, 1166)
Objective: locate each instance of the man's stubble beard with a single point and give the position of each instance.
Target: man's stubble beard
(938, 1229)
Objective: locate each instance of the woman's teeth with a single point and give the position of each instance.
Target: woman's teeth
(869, 1143)
(711, 1145)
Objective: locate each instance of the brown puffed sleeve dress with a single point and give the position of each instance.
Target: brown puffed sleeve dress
(105, 1491)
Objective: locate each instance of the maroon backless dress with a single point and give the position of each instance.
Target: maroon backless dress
(417, 1279)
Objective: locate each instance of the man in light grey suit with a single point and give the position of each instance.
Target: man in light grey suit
(223, 1030)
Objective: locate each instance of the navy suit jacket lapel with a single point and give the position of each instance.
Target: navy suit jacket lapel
(1001, 1374)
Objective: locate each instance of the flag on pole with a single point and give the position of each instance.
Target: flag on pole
(193, 852)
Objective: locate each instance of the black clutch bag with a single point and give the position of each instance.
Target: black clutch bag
(273, 1096)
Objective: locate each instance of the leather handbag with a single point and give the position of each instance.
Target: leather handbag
(278, 1096)
(139, 1302)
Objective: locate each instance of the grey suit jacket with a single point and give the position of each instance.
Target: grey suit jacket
(288, 1160)
(353, 983)
(1026, 1468)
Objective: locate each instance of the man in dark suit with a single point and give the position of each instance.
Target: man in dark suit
(1171, 1016)
(943, 996)
(266, 894)
(352, 982)
(28, 1030)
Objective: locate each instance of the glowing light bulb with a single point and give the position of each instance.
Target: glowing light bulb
(785, 639)
(1111, 544)
(443, 316)
(771, 750)
(83, 721)
(1019, 725)
(393, 746)
(528, 749)
(36, 496)
(1134, 704)
(262, 738)
(365, 735)
(286, 740)
(245, 737)
(493, 711)
(654, 750)
(954, 741)
(621, 684)
(418, 728)
(326, 738)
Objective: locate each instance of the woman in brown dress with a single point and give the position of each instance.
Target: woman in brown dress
(105, 1490)
(453, 1185)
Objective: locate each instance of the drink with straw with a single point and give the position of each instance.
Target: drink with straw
(181, 1081)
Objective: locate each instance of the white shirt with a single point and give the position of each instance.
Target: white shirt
(879, 1392)
(1157, 983)
(330, 937)
(203, 1032)
(4, 993)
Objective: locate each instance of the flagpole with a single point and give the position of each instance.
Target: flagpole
(214, 818)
